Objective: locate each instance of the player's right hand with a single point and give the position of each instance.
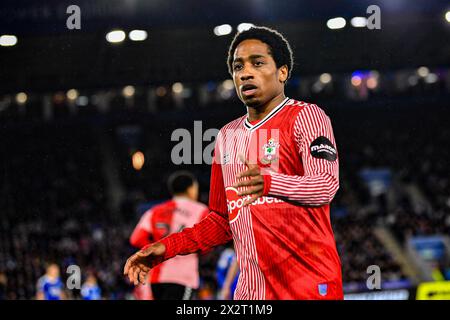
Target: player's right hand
(139, 264)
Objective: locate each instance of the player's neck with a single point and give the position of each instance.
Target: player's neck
(181, 196)
(258, 113)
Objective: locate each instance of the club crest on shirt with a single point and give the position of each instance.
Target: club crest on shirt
(270, 151)
(323, 289)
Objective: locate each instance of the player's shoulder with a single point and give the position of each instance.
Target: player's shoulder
(190, 205)
(42, 281)
(305, 112)
(161, 206)
(234, 124)
(303, 108)
(198, 206)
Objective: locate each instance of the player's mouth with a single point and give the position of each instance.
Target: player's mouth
(248, 89)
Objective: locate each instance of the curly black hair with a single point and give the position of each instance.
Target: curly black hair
(279, 47)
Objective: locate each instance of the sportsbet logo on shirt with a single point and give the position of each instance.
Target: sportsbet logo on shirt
(235, 202)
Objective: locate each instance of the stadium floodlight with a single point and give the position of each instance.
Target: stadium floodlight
(177, 88)
(356, 80)
(336, 23)
(228, 84)
(447, 16)
(115, 36)
(72, 94)
(223, 30)
(372, 79)
(413, 80)
(325, 78)
(359, 22)
(21, 98)
(138, 160)
(423, 71)
(161, 91)
(138, 35)
(431, 78)
(226, 89)
(82, 101)
(128, 91)
(372, 82)
(7, 40)
(59, 97)
(244, 26)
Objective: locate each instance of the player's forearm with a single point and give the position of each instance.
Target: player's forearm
(210, 232)
(318, 189)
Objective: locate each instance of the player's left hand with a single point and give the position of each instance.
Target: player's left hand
(255, 184)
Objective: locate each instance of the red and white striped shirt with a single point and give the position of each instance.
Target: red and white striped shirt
(163, 219)
(284, 241)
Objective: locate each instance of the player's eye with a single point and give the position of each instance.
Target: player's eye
(258, 63)
(237, 67)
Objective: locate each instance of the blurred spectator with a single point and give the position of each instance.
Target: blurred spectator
(56, 207)
(90, 289)
(3, 285)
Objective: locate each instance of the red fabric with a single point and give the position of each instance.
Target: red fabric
(168, 218)
(162, 219)
(140, 238)
(143, 292)
(267, 184)
(161, 214)
(161, 222)
(284, 241)
(212, 231)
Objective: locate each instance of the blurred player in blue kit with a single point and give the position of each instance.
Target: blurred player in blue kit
(227, 273)
(90, 289)
(50, 286)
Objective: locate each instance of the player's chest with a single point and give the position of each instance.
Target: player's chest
(267, 147)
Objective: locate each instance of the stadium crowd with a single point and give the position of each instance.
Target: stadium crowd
(56, 207)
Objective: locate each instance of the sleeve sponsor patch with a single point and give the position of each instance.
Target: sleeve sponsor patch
(322, 148)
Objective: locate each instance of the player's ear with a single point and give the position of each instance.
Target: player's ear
(283, 73)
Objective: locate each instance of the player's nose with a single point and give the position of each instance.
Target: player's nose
(245, 76)
(246, 73)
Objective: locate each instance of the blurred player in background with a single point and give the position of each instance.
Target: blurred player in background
(274, 174)
(227, 273)
(90, 290)
(175, 279)
(50, 286)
